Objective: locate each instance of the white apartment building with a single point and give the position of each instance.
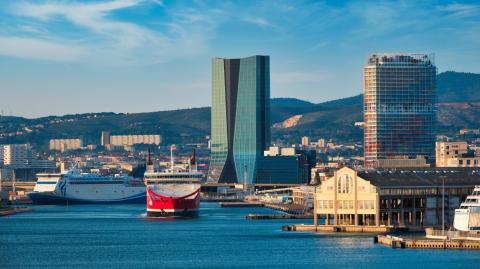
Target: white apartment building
(17, 155)
(321, 143)
(129, 140)
(305, 141)
(65, 144)
(22, 156)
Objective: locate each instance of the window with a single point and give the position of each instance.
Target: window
(345, 184)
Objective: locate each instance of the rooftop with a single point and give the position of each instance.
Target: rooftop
(428, 177)
(403, 59)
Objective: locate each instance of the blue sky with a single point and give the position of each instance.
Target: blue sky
(62, 57)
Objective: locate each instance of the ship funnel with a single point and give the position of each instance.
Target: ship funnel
(149, 162)
(193, 161)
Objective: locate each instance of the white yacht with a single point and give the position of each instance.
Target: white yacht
(467, 217)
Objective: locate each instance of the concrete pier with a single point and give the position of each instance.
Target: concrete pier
(241, 204)
(338, 228)
(425, 243)
(13, 210)
(288, 208)
(278, 216)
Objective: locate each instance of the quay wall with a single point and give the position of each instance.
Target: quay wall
(422, 243)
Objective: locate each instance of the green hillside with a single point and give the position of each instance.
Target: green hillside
(332, 119)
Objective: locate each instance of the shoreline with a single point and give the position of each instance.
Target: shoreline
(4, 212)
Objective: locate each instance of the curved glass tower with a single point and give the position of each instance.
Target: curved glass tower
(240, 118)
(399, 108)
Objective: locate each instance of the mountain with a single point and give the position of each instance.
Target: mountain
(289, 102)
(458, 87)
(291, 119)
(457, 108)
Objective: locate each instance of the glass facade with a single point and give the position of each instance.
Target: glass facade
(240, 118)
(399, 107)
(283, 170)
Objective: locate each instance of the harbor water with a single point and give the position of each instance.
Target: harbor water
(119, 236)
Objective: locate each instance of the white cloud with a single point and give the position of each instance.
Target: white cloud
(95, 18)
(461, 10)
(112, 40)
(258, 21)
(30, 48)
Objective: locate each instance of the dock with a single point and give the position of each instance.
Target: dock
(241, 204)
(338, 228)
(13, 210)
(278, 216)
(287, 208)
(425, 243)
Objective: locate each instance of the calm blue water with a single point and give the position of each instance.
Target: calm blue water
(117, 236)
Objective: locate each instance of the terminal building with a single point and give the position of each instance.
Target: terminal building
(413, 198)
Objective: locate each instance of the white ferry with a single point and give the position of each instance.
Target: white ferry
(82, 188)
(467, 217)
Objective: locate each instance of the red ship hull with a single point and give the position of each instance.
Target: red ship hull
(162, 206)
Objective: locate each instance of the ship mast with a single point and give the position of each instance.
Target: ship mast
(172, 147)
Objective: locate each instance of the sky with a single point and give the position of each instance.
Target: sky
(64, 57)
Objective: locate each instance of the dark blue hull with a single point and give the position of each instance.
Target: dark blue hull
(184, 214)
(52, 199)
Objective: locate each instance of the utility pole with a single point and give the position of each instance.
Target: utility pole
(443, 205)
(315, 216)
(13, 180)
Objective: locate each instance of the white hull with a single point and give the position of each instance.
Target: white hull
(467, 217)
(86, 188)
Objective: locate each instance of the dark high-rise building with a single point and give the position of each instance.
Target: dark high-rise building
(399, 110)
(240, 118)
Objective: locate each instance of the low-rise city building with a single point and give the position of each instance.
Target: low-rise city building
(285, 166)
(455, 154)
(469, 132)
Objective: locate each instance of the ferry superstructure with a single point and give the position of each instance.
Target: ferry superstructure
(75, 187)
(174, 192)
(467, 217)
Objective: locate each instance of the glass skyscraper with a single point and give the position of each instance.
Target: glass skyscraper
(240, 118)
(399, 108)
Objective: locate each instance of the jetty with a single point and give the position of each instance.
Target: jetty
(425, 243)
(278, 216)
(287, 208)
(338, 228)
(241, 204)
